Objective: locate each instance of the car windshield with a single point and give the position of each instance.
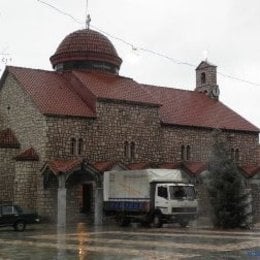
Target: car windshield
(18, 209)
(180, 192)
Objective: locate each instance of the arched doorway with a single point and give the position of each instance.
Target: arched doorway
(79, 189)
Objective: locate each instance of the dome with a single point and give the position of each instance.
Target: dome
(86, 49)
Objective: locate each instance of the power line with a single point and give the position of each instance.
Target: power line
(60, 11)
(135, 48)
(238, 79)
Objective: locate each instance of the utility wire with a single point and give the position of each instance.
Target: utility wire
(135, 48)
(60, 11)
(238, 79)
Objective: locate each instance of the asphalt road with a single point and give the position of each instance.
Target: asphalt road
(111, 242)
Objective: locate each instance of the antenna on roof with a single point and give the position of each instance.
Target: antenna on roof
(88, 18)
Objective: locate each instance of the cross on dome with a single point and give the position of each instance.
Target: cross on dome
(88, 20)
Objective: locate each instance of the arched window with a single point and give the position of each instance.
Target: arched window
(203, 78)
(132, 150)
(185, 152)
(237, 155)
(182, 152)
(188, 153)
(73, 146)
(80, 146)
(126, 150)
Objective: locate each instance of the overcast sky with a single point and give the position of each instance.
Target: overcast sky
(227, 30)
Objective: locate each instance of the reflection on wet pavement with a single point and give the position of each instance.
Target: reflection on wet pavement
(110, 242)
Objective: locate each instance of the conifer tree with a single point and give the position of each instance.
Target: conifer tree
(225, 187)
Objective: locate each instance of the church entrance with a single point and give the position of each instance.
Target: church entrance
(87, 198)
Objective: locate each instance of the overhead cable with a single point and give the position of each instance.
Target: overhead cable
(135, 48)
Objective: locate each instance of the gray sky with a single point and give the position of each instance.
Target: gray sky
(229, 30)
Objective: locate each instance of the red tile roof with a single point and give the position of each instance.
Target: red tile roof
(103, 166)
(54, 94)
(51, 93)
(138, 166)
(86, 44)
(250, 170)
(27, 155)
(8, 139)
(64, 166)
(170, 165)
(189, 108)
(195, 168)
(114, 87)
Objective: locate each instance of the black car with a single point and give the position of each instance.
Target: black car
(13, 215)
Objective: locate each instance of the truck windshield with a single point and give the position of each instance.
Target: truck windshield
(180, 192)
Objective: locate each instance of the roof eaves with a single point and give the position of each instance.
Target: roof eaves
(127, 101)
(49, 114)
(209, 128)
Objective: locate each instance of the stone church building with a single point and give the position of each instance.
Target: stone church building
(61, 129)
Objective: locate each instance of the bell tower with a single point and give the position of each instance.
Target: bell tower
(206, 79)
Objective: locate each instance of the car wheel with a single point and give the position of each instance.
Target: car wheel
(184, 223)
(156, 221)
(20, 225)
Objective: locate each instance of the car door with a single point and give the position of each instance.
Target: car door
(161, 198)
(8, 215)
(0, 215)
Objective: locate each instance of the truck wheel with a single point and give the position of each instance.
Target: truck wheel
(184, 223)
(156, 221)
(20, 225)
(124, 222)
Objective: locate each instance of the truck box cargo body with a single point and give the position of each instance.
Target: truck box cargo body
(149, 195)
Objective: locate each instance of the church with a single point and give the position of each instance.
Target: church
(61, 129)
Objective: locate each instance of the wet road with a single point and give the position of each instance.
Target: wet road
(110, 242)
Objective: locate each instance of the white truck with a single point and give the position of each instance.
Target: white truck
(151, 196)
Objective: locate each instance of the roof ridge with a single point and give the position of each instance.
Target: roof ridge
(27, 68)
(168, 88)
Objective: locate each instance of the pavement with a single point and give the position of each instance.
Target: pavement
(110, 242)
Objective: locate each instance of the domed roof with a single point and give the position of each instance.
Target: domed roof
(86, 45)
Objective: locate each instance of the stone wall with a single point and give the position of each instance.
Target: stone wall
(7, 173)
(20, 114)
(204, 206)
(200, 142)
(258, 160)
(255, 190)
(47, 199)
(25, 184)
(104, 137)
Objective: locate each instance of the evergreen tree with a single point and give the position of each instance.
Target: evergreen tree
(226, 188)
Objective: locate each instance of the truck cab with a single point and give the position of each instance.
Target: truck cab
(175, 202)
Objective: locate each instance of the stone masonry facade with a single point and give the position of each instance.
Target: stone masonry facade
(103, 140)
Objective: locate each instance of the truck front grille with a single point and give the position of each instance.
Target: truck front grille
(184, 210)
